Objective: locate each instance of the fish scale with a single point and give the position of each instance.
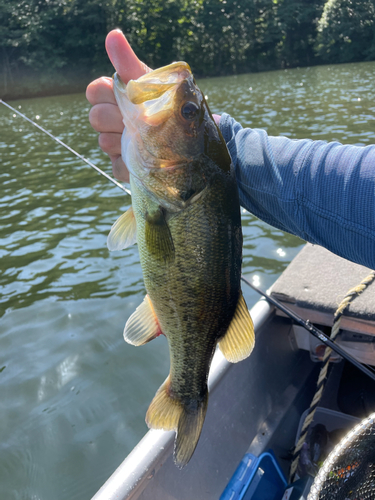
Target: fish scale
(185, 217)
(194, 298)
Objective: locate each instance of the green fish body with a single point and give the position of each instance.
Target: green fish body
(185, 217)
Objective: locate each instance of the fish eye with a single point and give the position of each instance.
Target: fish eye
(189, 110)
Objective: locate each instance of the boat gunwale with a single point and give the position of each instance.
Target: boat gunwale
(133, 475)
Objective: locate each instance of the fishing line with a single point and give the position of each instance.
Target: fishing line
(313, 330)
(108, 177)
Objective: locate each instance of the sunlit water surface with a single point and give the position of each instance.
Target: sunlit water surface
(73, 393)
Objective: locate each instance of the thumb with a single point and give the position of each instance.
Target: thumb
(123, 58)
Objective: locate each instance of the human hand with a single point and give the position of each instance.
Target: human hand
(105, 116)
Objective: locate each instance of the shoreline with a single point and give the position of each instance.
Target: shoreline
(32, 93)
(59, 84)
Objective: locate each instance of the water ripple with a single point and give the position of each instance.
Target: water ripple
(73, 394)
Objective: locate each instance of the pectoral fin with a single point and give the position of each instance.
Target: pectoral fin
(158, 236)
(238, 342)
(143, 325)
(123, 233)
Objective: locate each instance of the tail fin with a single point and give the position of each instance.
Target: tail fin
(170, 414)
(189, 429)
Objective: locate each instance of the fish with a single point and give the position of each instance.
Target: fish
(185, 218)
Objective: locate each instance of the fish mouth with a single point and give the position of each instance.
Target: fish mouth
(154, 84)
(152, 109)
(118, 84)
(153, 93)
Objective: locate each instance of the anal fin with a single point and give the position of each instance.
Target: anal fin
(143, 325)
(239, 339)
(164, 411)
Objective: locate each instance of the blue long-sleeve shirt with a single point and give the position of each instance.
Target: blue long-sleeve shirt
(322, 192)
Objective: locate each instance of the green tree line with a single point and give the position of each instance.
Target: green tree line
(53, 46)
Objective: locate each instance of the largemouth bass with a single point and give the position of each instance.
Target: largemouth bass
(185, 217)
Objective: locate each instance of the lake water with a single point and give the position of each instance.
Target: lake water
(73, 394)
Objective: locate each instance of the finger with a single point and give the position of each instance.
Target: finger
(100, 90)
(110, 143)
(123, 58)
(106, 118)
(216, 118)
(119, 169)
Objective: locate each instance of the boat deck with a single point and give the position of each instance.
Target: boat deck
(317, 280)
(257, 404)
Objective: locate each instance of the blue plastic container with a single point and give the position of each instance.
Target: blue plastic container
(256, 478)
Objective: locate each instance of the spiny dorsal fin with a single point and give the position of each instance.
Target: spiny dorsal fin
(142, 326)
(238, 342)
(123, 233)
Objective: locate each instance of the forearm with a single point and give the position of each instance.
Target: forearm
(321, 192)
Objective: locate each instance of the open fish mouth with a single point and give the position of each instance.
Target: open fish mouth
(153, 85)
(154, 93)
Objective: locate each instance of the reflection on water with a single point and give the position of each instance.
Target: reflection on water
(322, 102)
(73, 394)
